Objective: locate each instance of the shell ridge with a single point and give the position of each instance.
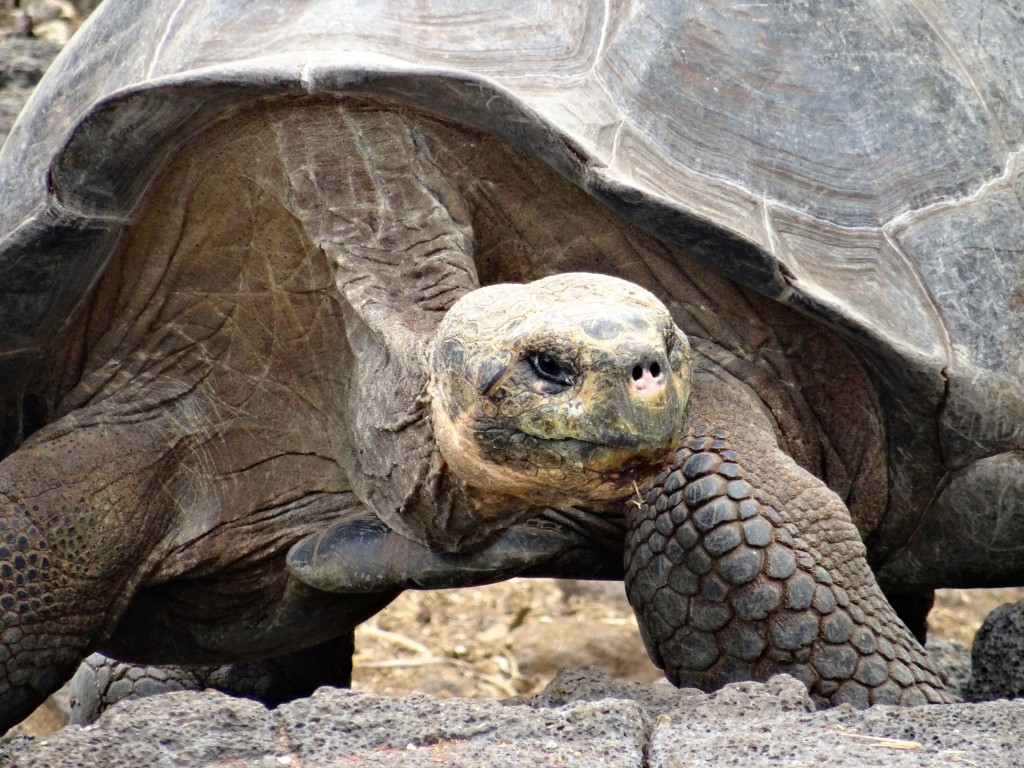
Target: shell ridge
(923, 290)
(164, 37)
(946, 43)
(1010, 169)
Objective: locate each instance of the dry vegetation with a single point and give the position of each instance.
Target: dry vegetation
(498, 641)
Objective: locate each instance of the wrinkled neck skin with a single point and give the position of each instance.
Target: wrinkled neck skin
(394, 221)
(494, 216)
(402, 248)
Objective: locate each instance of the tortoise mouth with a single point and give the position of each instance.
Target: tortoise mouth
(617, 443)
(621, 461)
(632, 473)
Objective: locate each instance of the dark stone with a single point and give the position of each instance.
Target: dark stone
(23, 60)
(997, 655)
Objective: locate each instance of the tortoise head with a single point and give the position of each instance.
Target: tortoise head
(562, 391)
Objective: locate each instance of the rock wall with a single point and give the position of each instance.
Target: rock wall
(583, 718)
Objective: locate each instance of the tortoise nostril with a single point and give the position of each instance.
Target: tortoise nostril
(648, 381)
(653, 370)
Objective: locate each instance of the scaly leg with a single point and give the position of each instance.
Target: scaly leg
(79, 528)
(742, 565)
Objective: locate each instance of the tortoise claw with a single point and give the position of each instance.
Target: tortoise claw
(362, 555)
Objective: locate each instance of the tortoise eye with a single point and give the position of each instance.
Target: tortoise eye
(549, 368)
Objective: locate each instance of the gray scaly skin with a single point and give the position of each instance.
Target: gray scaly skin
(737, 573)
(102, 681)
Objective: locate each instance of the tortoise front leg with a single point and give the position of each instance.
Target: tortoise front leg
(742, 565)
(78, 522)
(39, 644)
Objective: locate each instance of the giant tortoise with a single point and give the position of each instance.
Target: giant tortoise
(239, 317)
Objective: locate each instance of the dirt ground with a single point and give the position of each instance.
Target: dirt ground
(500, 640)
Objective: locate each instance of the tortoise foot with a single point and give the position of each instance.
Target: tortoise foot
(362, 555)
(102, 681)
(727, 587)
